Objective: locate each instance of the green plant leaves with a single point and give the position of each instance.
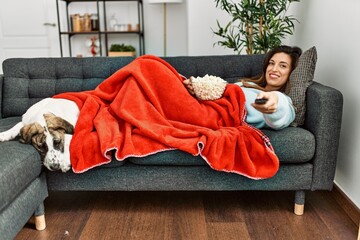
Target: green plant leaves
(256, 26)
(121, 48)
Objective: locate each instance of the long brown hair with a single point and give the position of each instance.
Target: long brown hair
(260, 81)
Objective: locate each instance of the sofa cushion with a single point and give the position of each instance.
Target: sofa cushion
(7, 123)
(292, 145)
(170, 158)
(20, 164)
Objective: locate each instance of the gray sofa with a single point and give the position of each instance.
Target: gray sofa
(307, 154)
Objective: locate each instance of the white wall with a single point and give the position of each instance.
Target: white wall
(176, 22)
(202, 16)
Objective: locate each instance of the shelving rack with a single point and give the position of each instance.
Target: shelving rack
(102, 19)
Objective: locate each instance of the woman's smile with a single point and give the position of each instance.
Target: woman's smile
(273, 75)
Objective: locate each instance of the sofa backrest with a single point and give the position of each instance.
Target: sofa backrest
(28, 80)
(229, 67)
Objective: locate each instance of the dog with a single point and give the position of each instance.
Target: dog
(48, 125)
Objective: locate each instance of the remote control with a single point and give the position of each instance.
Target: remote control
(261, 100)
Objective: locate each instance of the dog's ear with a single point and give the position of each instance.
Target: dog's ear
(57, 123)
(39, 142)
(28, 131)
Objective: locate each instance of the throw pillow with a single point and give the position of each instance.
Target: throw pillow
(300, 79)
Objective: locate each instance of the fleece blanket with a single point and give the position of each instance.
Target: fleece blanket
(144, 108)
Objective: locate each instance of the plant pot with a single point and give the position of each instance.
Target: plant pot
(121, 54)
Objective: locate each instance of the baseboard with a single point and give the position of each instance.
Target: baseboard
(346, 204)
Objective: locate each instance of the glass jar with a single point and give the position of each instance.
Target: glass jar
(112, 23)
(76, 23)
(87, 22)
(94, 22)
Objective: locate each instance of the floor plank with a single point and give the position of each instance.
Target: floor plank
(335, 218)
(191, 215)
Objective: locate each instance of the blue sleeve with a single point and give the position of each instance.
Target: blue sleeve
(284, 115)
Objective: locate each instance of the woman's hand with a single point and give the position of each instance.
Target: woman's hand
(188, 85)
(271, 104)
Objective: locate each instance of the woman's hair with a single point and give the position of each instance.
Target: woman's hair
(260, 81)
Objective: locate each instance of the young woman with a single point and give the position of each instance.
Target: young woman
(277, 112)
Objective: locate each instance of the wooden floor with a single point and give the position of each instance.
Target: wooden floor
(191, 215)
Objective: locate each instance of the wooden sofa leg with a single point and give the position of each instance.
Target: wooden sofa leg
(39, 216)
(40, 223)
(299, 209)
(299, 202)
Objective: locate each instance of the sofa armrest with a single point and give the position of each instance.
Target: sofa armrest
(323, 119)
(1, 92)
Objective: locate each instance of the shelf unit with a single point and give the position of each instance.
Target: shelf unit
(102, 33)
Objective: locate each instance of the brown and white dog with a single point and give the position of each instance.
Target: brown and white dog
(48, 126)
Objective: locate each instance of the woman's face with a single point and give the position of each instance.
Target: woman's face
(278, 71)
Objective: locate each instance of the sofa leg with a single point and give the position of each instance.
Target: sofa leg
(40, 223)
(39, 216)
(299, 202)
(299, 209)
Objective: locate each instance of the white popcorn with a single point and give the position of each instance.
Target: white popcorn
(208, 87)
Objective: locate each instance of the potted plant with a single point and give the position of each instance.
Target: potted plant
(118, 50)
(256, 25)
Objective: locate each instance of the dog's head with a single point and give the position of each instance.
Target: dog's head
(50, 141)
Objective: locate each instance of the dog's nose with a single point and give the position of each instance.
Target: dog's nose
(54, 167)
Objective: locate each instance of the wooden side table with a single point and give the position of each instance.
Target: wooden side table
(359, 233)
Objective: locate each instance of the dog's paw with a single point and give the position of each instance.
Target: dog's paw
(4, 137)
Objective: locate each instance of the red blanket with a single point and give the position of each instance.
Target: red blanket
(144, 108)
